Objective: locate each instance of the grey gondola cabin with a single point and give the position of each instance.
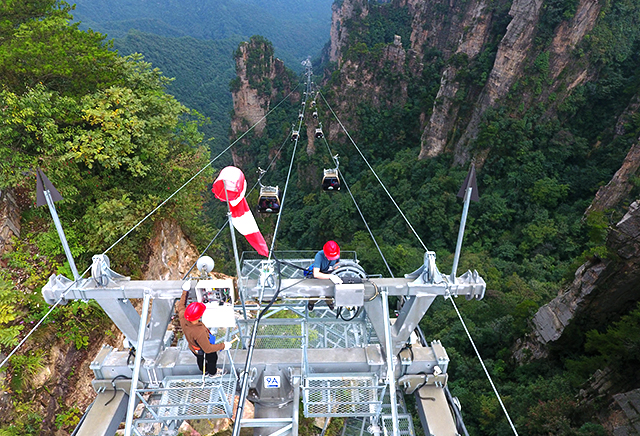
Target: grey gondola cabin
(330, 180)
(269, 200)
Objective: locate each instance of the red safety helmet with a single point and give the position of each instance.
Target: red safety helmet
(194, 311)
(331, 250)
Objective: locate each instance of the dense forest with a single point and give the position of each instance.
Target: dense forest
(297, 28)
(201, 71)
(115, 143)
(193, 43)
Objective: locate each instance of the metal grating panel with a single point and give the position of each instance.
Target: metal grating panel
(274, 334)
(189, 398)
(195, 398)
(355, 427)
(342, 395)
(337, 334)
(405, 424)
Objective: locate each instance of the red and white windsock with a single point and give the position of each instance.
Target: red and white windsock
(233, 180)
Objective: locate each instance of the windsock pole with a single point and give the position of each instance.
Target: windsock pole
(45, 190)
(235, 248)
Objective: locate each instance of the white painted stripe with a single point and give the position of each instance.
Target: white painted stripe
(245, 224)
(235, 202)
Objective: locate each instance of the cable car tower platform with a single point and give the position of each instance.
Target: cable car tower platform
(354, 362)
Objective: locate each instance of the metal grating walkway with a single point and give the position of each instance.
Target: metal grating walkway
(322, 329)
(336, 395)
(405, 424)
(185, 398)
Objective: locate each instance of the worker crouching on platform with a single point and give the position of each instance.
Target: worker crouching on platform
(325, 261)
(198, 335)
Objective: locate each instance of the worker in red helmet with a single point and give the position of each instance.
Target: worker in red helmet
(201, 341)
(326, 260)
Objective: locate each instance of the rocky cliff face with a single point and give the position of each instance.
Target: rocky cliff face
(261, 79)
(509, 62)
(602, 290)
(340, 14)
(248, 103)
(360, 81)
(172, 254)
(9, 219)
(469, 35)
(465, 34)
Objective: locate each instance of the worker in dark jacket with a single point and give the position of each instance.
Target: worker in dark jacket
(198, 335)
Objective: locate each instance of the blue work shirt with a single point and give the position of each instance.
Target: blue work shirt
(323, 263)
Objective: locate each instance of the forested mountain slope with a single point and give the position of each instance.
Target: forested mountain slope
(201, 72)
(298, 28)
(193, 42)
(114, 144)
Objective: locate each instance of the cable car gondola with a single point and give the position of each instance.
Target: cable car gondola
(330, 180)
(319, 133)
(269, 201)
(315, 115)
(295, 135)
(301, 116)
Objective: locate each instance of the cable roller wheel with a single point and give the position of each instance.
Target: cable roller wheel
(349, 268)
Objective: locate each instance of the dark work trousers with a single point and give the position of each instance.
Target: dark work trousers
(212, 360)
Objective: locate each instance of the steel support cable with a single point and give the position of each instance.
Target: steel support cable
(245, 372)
(359, 211)
(374, 173)
(199, 172)
(286, 185)
(42, 319)
(493, 386)
(205, 250)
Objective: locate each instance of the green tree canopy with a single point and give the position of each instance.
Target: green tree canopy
(102, 127)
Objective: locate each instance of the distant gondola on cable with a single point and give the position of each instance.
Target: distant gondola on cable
(315, 115)
(269, 199)
(319, 133)
(295, 135)
(330, 179)
(301, 116)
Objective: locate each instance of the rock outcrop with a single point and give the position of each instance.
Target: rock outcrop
(508, 65)
(472, 33)
(340, 14)
(620, 185)
(569, 34)
(9, 219)
(603, 290)
(253, 92)
(248, 103)
(172, 254)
